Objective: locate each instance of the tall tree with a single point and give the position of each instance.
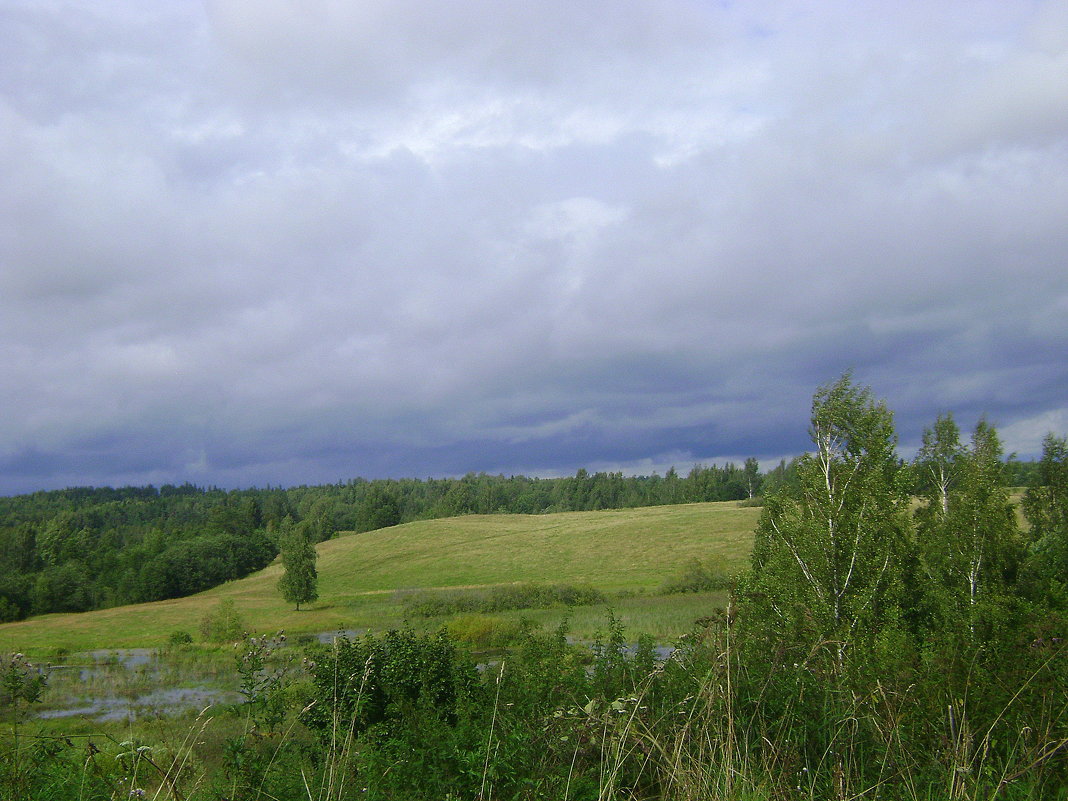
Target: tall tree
(937, 463)
(300, 579)
(378, 509)
(826, 552)
(752, 477)
(971, 540)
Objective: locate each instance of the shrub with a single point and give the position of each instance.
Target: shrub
(485, 631)
(375, 680)
(180, 638)
(499, 599)
(698, 577)
(20, 681)
(222, 624)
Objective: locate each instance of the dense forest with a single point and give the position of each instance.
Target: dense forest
(88, 548)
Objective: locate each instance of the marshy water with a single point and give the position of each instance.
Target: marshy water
(135, 683)
(139, 683)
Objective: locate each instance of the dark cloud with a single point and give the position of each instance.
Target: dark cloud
(254, 243)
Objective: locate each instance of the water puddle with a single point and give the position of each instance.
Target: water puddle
(327, 637)
(129, 658)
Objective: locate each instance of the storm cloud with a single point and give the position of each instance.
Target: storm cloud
(275, 242)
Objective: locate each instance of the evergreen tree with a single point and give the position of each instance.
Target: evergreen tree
(299, 581)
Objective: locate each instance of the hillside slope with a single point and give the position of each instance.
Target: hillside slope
(630, 549)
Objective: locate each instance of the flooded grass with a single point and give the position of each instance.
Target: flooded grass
(134, 683)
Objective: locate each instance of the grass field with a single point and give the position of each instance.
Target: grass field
(628, 552)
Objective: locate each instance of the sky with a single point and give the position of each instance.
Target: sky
(270, 242)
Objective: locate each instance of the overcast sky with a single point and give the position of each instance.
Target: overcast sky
(297, 241)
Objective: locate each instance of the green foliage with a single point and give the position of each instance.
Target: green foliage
(827, 555)
(865, 642)
(8, 610)
(262, 678)
(937, 464)
(300, 579)
(550, 720)
(373, 681)
(193, 566)
(968, 537)
(223, 623)
(698, 576)
(64, 588)
(179, 637)
(21, 682)
(379, 509)
(487, 631)
(526, 595)
(1045, 505)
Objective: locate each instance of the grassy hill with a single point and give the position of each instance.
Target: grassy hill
(629, 550)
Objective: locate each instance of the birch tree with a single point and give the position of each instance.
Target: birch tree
(827, 552)
(971, 539)
(937, 464)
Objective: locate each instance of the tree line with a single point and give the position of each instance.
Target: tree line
(86, 548)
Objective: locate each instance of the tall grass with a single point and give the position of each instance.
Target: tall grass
(554, 720)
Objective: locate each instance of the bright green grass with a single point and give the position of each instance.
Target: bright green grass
(629, 549)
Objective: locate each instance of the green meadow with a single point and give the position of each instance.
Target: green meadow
(364, 578)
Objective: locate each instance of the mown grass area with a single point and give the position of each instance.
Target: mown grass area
(630, 551)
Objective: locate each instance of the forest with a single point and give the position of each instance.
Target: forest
(79, 549)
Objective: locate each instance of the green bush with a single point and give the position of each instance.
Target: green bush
(698, 576)
(222, 624)
(499, 599)
(373, 680)
(486, 631)
(180, 637)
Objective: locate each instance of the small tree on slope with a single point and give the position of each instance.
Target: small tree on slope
(299, 582)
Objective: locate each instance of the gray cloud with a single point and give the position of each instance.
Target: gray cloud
(278, 242)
